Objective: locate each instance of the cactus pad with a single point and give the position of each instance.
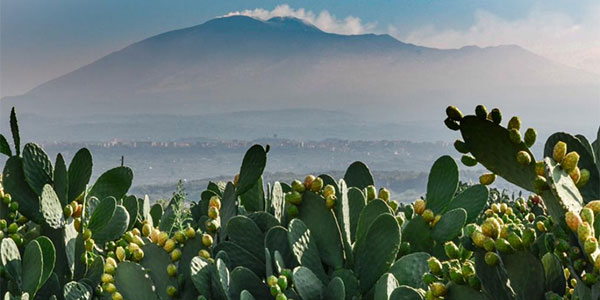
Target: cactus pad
(114, 182)
(442, 183)
(252, 168)
(37, 167)
(51, 208)
(358, 175)
(80, 171)
(409, 269)
(307, 284)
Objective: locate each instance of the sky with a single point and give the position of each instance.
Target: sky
(41, 40)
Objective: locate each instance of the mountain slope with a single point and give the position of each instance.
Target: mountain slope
(240, 63)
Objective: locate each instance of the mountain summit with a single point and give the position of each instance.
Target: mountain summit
(240, 63)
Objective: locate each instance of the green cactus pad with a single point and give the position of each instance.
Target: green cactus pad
(566, 195)
(254, 198)
(228, 205)
(265, 221)
(37, 167)
(239, 256)
(246, 234)
(376, 252)
(80, 171)
(526, 274)
(491, 146)
(494, 280)
(406, 293)
(244, 279)
(442, 183)
(350, 282)
(356, 202)
(114, 182)
(307, 284)
(335, 290)
(324, 228)
(460, 292)
(368, 215)
(591, 191)
(13, 180)
(51, 209)
(93, 276)
(342, 214)
(252, 168)
(102, 213)
(131, 205)
(11, 259)
(385, 286)
(417, 233)
(48, 258)
(358, 175)
(156, 261)
(305, 249)
(156, 212)
(14, 128)
(587, 145)
(61, 184)
(278, 201)
(472, 200)
(409, 269)
(133, 282)
(245, 295)
(32, 268)
(190, 250)
(4, 146)
(115, 228)
(205, 200)
(553, 270)
(220, 282)
(201, 272)
(276, 239)
(450, 225)
(76, 291)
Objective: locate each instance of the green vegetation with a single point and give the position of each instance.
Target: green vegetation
(63, 237)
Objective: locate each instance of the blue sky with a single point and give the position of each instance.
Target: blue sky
(40, 40)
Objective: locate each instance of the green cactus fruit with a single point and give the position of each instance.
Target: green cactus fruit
(590, 279)
(171, 291)
(515, 136)
(281, 296)
(452, 125)
(560, 149)
(575, 175)
(587, 215)
(428, 215)
(594, 206)
(120, 253)
(394, 206)
(584, 230)
(110, 265)
(14, 206)
(540, 168)
(456, 276)
(514, 123)
(384, 194)
(540, 184)
(429, 278)
(275, 289)
(294, 198)
(530, 137)
(451, 250)
(3, 224)
(590, 245)
(529, 236)
(67, 211)
(316, 185)
(175, 254)
(435, 266)
(107, 278)
(6, 199)
(370, 192)
(454, 113)
(491, 258)
(461, 147)
(570, 161)
(478, 238)
(271, 280)
(213, 213)
(404, 248)
(561, 245)
(308, 180)
(172, 270)
(330, 201)
(89, 245)
(487, 179)
(12, 228)
(214, 201)
(523, 158)
(292, 210)
(491, 227)
(116, 296)
(474, 282)
(328, 190)
(282, 282)
(204, 254)
(420, 206)
(438, 289)
(583, 178)
(207, 240)
(504, 246)
(468, 160)
(489, 244)
(481, 112)
(468, 269)
(212, 226)
(190, 233)
(169, 245)
(298, 186)
(109, 288)
(496, 115)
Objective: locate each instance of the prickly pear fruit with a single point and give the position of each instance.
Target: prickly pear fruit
(481, 112)
(478, 238)
(456, 276)
(308, 181)
(236, 180)
(328, 190)
(575, 175)
(298, 186)
(515, 136)
(213, 212)
(420, 206)
(207, 240)
(514, 123)
(215, 201)
(515, 240)
(370, 192)
(436, 219)
(589, 279)
(491, 227)
(454, 113)
(487, 179)
(171, 291)
(438, 289)
(587, 215)
(176, 254)
(435, 266)
(496, 115)
(461, 147)
(468, 160)
(172, 270)
(120, 253)
(316, 185)
(489, 244)
(540, 184)
(504, 246)
(584, 178)
(570, 161)
(384, 194)
(294, 198)
(584, 230)
(491, 258)
(116, 296)
(330, 201)
(560, 149)
(523, 158)
(271, 280)
(428, 215)
(169, 245)
(594, 206)
(530, 137)
(190, 233)
(451, 250)
(282, 282)
(452, 125)
(590, 245)
(540, 168)
(292, 210)
(529, 236)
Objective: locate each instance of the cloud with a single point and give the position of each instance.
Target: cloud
(554, 35)
(323, 20)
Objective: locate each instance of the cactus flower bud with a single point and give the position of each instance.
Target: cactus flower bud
(584, 178)
(138, 254)
(487, 179)
(435, 266)
(316, 185)
(456, 276)
(420, 206)
(481, 112)
(308, 181)
(584, 230)
(570, 161)
(468, 160)
(461, 147)
(560, 149)
(523, 158)
(575, 175)
(298, 186)
(491, 258)
(530, 137)
(438, 289)
(451, 250)
(215, 201)
(428, 215)
(328, 190)
(515, 136)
